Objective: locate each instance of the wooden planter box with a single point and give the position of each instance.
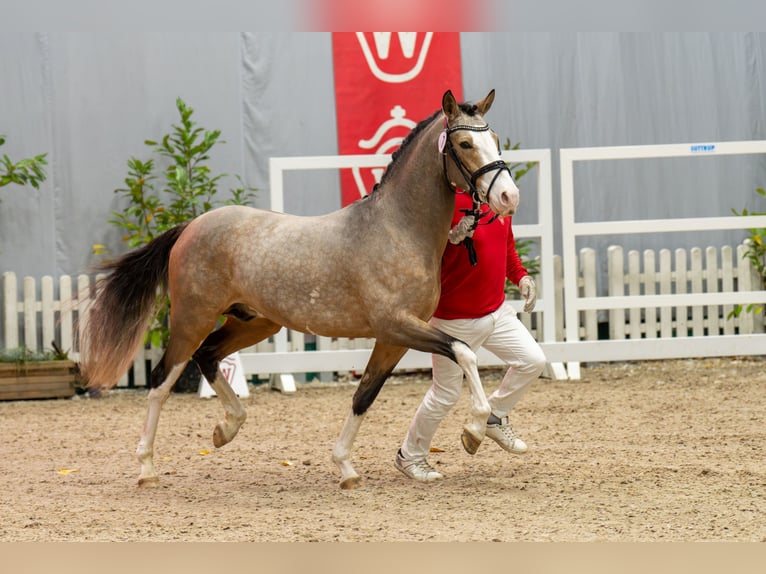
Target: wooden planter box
(37, 380)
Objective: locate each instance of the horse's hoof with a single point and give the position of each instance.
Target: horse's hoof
(351, 483)
(470, 441)
(149, 482)
(219, 437)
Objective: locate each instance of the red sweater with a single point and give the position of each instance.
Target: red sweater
(473, 292)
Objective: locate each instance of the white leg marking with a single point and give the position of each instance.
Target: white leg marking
(341, 453)
(145, 449)
(473, 431)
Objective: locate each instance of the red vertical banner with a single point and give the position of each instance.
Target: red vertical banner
(385, 83)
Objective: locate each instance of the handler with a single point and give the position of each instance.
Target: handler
(473, 309)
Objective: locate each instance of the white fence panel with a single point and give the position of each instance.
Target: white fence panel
(642, 348)
(709, 320)
(680, 309)
(345, 356)
(38, 321)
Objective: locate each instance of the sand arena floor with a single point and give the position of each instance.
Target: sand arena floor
(652, 451)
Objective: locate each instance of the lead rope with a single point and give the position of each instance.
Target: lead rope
(468, 240)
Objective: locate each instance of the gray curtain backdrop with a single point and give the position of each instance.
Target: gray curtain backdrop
(90, 100)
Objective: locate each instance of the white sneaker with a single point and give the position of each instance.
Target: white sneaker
(504, 435)
(418, 470)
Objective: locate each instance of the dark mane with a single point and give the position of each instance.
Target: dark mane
(467, 108)
(410, 136)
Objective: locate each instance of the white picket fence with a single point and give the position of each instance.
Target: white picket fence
(34, 315)
(688, 272)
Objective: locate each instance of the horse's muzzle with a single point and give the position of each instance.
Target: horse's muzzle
(504, 202)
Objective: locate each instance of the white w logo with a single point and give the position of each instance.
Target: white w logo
(407, 42)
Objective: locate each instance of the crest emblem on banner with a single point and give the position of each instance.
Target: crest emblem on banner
(386, 82)
(397, 124)
(395, 62)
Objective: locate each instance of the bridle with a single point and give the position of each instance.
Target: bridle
(446, 147)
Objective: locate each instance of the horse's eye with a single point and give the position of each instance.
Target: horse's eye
(466, 145)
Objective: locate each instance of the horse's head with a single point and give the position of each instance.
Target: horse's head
(474, 149)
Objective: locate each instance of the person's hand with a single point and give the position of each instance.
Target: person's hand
(528, 290)
(462, 230)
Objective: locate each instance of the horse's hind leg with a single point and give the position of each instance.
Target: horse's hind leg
(238, 332)
(161, 387)
(184, 338)
(382, 361)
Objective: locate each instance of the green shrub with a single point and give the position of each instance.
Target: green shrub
(756, 253)
(188, 188)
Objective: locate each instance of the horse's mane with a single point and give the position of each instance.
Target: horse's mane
(467, 108)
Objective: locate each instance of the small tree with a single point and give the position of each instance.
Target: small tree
(188, 189)
(189, 185)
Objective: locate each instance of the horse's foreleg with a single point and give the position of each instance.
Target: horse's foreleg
(382, 361)
(473, 432)
(424, 337)
(341, 453)
(157, 397)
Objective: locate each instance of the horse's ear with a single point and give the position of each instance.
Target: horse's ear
(449, 105)
(486, 103)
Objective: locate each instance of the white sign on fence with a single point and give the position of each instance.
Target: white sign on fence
(232, 370)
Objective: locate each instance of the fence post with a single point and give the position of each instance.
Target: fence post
(48, 312)
(10, 310)
(650, 288)
(682, 279)
(616, 274)
(30, 313)
(727, 284)
(634, 288)
(711, 286)
(666, 288)
(558, 296)
(589, 283)
(698, 313)
(65, 313)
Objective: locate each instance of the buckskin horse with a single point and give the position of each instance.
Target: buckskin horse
(370, 269)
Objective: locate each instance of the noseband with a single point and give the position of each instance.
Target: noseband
(446, 147)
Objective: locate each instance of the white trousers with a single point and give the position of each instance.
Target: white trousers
(501, 333)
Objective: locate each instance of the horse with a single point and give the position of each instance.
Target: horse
(370, 269)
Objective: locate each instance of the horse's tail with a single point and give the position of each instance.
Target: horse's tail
(120, 315)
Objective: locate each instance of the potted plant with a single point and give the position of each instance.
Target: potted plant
(26, 374)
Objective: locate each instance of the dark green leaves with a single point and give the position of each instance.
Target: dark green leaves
(29, 171)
